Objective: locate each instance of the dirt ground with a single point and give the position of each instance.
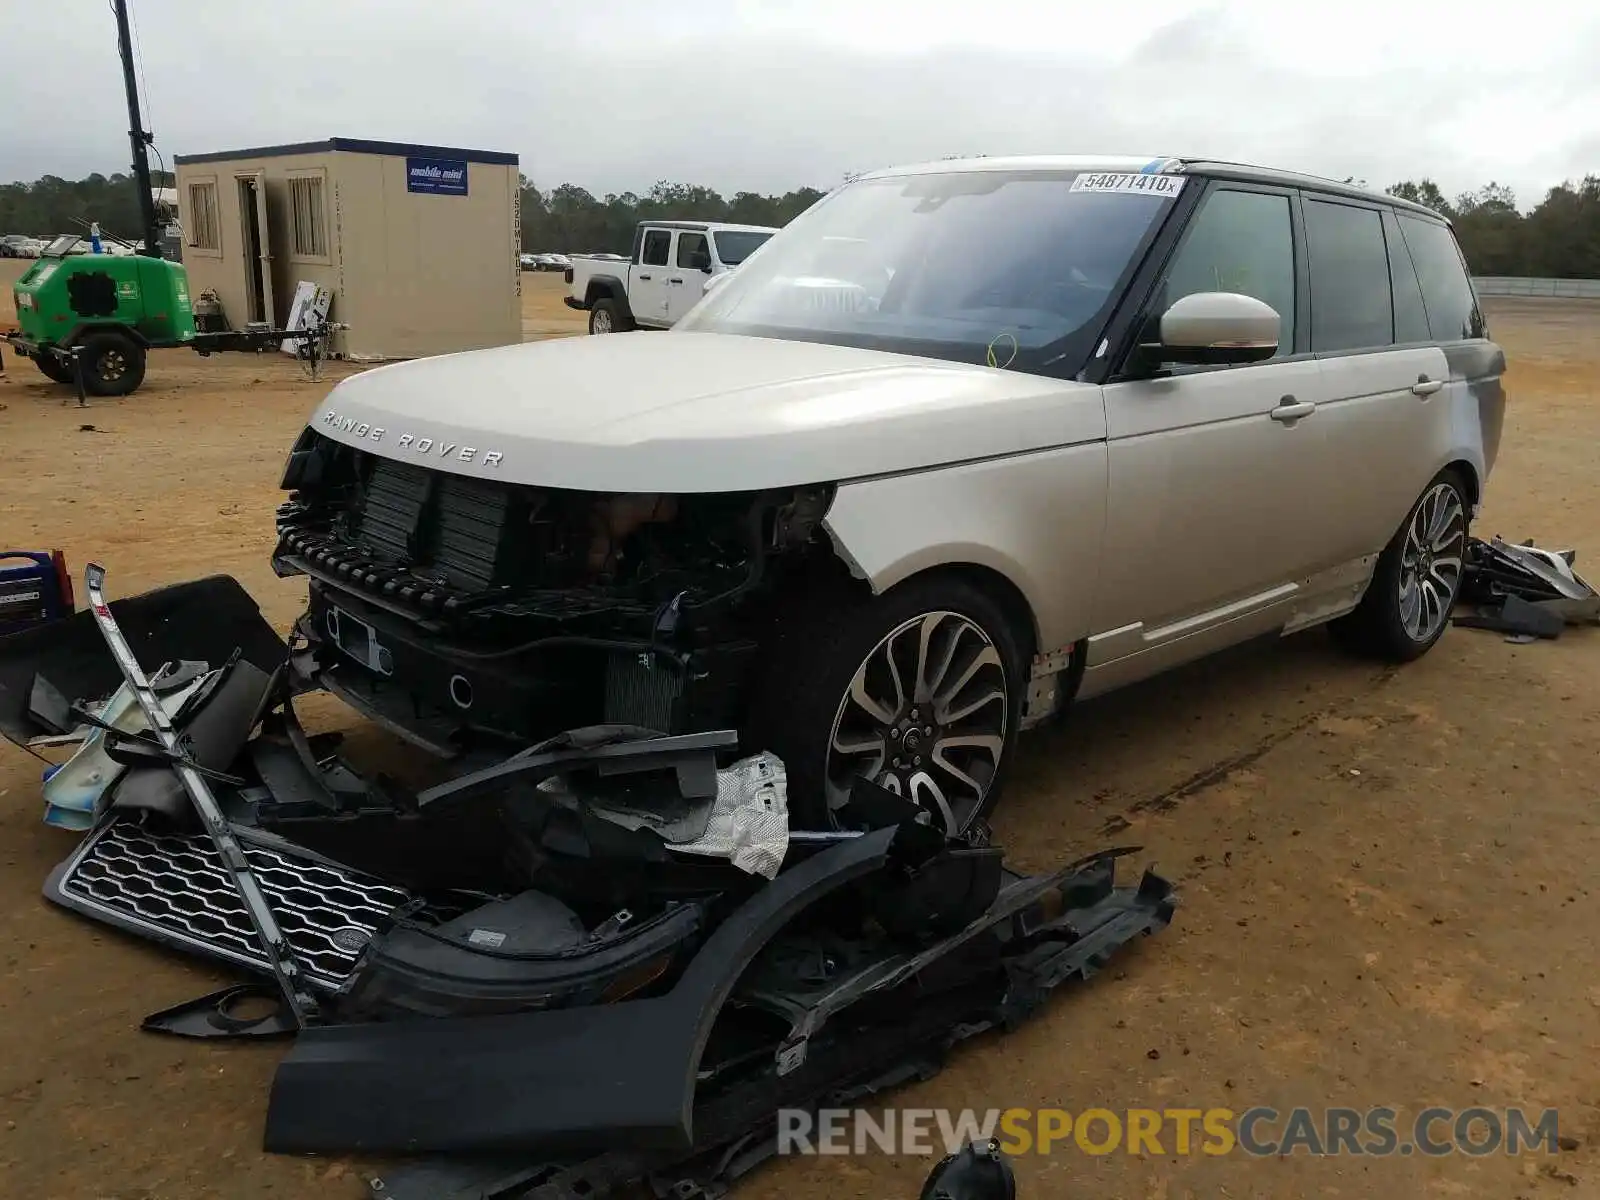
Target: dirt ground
(1386, 875)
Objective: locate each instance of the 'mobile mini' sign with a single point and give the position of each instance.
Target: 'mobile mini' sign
(437, 176)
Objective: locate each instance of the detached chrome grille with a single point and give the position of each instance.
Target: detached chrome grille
(173, 889)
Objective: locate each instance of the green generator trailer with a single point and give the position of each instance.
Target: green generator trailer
(101, 314)
(92, 319)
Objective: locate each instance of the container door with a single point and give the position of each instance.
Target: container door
(257, 248)
(265, 250)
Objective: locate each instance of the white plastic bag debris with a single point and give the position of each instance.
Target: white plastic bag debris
(749, 823)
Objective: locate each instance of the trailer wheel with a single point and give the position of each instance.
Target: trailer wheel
(52, 367)
(606, 316)
(113, 364)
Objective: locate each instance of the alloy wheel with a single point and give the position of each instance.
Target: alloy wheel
(112, 366)
(1430, 562)
(600, 322)
(925, 717)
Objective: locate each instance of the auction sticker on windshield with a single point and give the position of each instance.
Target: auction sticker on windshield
(1142, 185)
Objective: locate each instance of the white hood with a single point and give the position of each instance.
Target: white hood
(695, 412)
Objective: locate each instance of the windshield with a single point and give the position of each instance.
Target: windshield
(1012, 269)
(736, 245)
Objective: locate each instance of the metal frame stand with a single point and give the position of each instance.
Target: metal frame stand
(297, 995)
(77, 377)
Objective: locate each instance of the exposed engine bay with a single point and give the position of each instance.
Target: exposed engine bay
(456, 610)
(603, 959)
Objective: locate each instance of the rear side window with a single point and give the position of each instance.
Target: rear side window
(1452, 309)
(656, 242)
(692, 248)
(1410, 314)
(1240, 242)
(1351, 306)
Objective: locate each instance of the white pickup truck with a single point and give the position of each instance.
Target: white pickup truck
(664, 276)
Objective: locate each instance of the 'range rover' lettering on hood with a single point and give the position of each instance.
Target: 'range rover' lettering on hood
(688, 412)
(354, 429)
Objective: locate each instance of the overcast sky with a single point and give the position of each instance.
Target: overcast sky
(767, 95)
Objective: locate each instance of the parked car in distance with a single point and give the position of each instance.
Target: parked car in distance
(962, 443)
(667, 273)
(544, 262)
(17, 245)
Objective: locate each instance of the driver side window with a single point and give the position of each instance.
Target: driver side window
(694, 253)
(1240, 242)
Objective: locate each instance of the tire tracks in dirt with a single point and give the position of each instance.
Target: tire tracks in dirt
(1217, 772)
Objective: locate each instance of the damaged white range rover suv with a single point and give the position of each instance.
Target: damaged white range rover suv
(963, 442)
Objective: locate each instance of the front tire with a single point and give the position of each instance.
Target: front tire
(1417, 580)
(113, 364)
(920, 691)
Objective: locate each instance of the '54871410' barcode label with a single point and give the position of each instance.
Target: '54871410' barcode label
(1136, 185)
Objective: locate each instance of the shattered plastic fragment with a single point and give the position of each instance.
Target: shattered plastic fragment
(74, 794)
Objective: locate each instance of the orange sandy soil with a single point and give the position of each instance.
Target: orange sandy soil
(1386, 875)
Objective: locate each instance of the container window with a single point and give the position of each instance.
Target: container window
(204, 228)
(308, 230)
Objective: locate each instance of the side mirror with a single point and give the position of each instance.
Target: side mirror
(703, 262)
(1217, 329)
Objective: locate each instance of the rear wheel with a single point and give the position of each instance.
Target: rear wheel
(606, 316)
(919, 691)
(1417, 580)
(113, 364)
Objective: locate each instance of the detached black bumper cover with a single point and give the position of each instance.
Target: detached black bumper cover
(621, 1081)
(564, 1081)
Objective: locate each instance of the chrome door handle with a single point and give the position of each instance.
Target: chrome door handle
(1425, 386)
(1290, 409)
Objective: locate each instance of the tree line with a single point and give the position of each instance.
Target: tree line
(566, 218)
(1559, 237)
(51, 205)
(570, 219)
